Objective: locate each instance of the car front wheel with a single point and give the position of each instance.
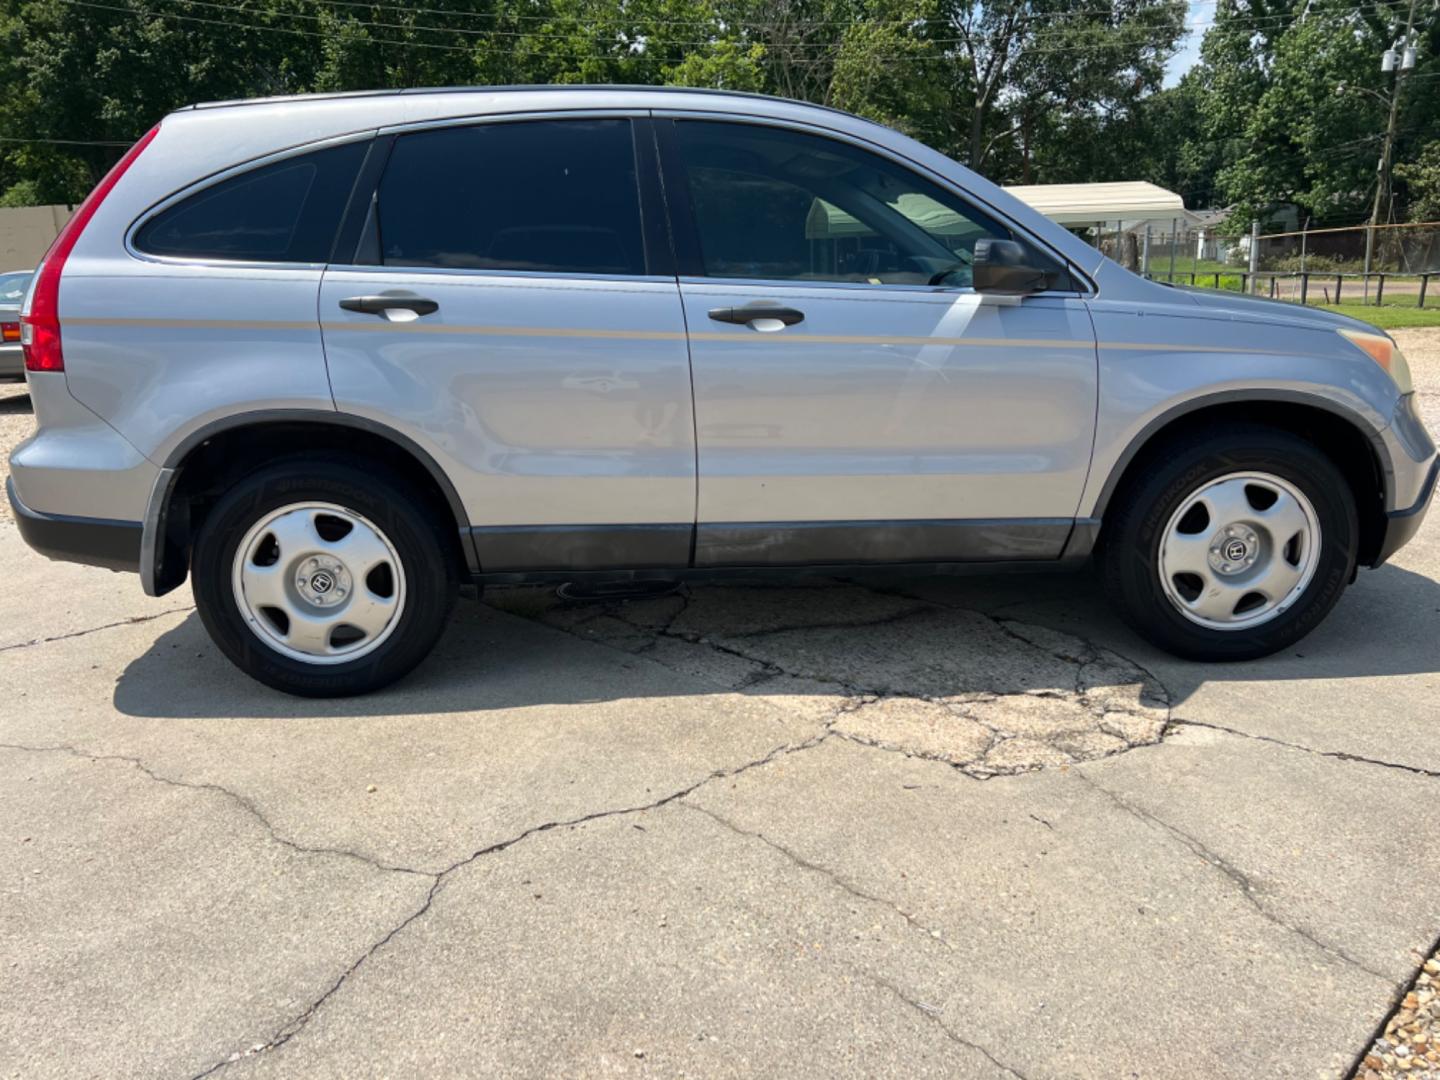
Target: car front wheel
(321, 580)
(1232, 544)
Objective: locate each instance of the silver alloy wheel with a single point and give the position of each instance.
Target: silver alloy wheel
(318, 583)
(1239, 551)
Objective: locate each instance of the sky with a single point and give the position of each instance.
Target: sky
(1201, 14)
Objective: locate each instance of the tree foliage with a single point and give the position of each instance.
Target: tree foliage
(1027, 91)
(1018, 88)
(1423, 178)
(1297, 105)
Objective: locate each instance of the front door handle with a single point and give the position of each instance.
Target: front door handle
(387, 302)
(762, 315)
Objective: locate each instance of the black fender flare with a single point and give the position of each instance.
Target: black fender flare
(1227, 397)
(154, 576)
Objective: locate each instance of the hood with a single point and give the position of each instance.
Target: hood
(1242, 308)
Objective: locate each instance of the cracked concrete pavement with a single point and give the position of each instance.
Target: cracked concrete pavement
(889, 827)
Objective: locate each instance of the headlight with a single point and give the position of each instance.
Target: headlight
(1383, 350)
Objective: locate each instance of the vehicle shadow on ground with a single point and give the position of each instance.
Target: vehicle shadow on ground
(14, 404)
(884, 634)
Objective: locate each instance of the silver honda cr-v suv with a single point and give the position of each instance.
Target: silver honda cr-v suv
(332, 356)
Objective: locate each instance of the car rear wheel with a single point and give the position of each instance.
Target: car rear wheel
(321, 580)
(1232, 544)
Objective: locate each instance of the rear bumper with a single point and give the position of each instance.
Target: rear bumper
(1402, 525)
(93, 541)
(12, 362)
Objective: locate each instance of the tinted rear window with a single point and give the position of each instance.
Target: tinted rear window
(284, 212)
(557, 196)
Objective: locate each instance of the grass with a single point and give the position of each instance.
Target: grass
(1389, 317)
(1160, 265)
(1205, 279)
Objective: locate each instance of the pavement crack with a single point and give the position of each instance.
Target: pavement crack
(936, 1016)
(1338, 755)
(930, 1012)
(1095, 653)
(969, 769)
(297, 1023)
(769, 669)
(131, 621)
(1242, 881)
(815, 868)
(1115, 704)
(783, 750)
(294, 1026)
(239, 800)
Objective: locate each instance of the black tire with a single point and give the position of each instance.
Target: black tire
(429, 564)
(1131, 537)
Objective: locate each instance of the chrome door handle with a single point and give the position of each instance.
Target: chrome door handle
(762, 311)
(384, 303)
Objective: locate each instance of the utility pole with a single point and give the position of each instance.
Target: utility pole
(1254, 251)
(1406, 61)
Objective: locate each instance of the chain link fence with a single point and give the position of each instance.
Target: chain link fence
(1389, 264)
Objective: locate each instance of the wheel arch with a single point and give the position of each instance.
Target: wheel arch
(1354, 445)
(205, 462)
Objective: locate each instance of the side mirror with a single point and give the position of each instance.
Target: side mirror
(1003, 266)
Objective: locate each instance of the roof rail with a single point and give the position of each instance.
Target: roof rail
(509, 89)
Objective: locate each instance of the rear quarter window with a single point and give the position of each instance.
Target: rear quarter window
(287, 211)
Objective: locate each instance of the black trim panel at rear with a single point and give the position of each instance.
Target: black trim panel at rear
(513, 548)
(114, 545)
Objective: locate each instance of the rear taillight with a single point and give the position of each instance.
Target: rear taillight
(9, 331)
(40, 323)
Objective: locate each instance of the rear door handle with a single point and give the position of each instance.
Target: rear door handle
(762, 313)
(385, 303)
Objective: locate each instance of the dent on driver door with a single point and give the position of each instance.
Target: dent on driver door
(551, 379)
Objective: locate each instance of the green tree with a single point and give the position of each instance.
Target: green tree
(1296, 104)
(1033, 89)
(1422, 177)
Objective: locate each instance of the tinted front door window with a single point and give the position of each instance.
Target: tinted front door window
(555, 196)
(783, 205)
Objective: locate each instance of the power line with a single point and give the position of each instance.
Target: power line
(68, 142)
(639, 25)
(403, 44)
(263, 29)
(635, 46)
(560, 49)
(520, 16)
(1375, 6)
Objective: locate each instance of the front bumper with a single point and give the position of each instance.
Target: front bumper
(1402, 525)
(1413, 467)
(93, 541)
